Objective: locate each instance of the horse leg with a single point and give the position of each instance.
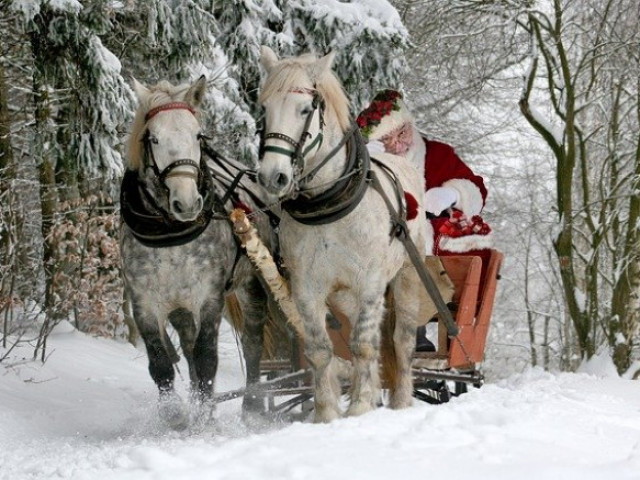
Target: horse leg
(206, 347)
(407, 307)
(205, 352)
(365, 353)
(319, 353)
(184, 322)
(254, 308)
(171, 408)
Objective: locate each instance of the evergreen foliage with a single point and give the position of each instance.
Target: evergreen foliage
(75, 61)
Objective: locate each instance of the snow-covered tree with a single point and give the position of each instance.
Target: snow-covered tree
(79, 101)
(367, 34)
(80, 57)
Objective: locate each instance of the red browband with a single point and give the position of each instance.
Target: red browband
(309, 91)
(169, 106)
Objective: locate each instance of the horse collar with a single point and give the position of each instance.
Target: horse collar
(343, 197)
(154, 227)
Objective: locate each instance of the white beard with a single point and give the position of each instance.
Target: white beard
(416, 154)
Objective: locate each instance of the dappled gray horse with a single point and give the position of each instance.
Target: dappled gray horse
(179, 254)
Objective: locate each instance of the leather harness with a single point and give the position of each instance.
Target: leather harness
(343, 197)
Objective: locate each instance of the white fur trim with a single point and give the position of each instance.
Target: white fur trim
(392, 121)
(417, 152)
(429, 243)
(466, 243)
(470, 201)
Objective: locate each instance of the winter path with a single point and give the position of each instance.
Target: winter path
(89, 413)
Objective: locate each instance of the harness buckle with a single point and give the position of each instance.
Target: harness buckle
(399, 230)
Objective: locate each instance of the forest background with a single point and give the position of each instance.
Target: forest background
(541, 97)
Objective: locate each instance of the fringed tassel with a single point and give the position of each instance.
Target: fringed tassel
(261, 257)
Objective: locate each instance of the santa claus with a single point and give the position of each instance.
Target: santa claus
(454, 196)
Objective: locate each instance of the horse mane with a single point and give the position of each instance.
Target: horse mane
(291, 73)
(159, 94)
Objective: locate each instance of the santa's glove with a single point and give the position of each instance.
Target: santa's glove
(438, 199)
(375, 146)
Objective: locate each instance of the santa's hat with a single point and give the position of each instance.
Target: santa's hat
(386, 113)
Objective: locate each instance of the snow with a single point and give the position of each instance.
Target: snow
(89, 412)
(370, 14)
(31, 8)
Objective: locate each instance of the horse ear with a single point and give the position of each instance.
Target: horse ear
(195, 95)
(323, 65)
(268, 58)
(140, 89)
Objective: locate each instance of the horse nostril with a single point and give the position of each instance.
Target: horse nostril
(176, 206)
(282, 180)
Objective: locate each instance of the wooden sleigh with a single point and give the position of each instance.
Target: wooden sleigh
(456, 361)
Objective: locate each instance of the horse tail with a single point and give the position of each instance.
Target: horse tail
(236, 319)
(388, 358)
(234, 313)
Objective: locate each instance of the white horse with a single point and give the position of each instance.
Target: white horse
(336, 230)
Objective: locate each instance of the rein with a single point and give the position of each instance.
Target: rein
(400, 230)
(344, 196)
(234, 182)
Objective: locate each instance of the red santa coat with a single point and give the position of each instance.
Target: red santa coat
(443, 168)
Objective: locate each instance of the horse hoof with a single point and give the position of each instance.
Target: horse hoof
(325, 415)
(173, 412)
(204, 413)
(252, 404)
(359, 408)
(400, 404)
(402, 398)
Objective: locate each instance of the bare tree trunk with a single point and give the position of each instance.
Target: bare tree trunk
(566, 151)
(546, 347)
(6, 153)
(625, 303)
(46, 172)
(530, 313)
(6, 175)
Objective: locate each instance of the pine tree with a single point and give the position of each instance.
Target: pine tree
(79, 101)
(82, 55)
(368, 35)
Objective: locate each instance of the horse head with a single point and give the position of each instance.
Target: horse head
(305, 107)
(165, 146)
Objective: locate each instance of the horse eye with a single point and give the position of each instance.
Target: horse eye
(306, 110)
(153, 139)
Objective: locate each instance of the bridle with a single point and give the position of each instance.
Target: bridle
(341, 195)
(149, 160)
(299, 152)
(150, 222)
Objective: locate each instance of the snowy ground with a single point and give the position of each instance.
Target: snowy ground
(89, 413)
